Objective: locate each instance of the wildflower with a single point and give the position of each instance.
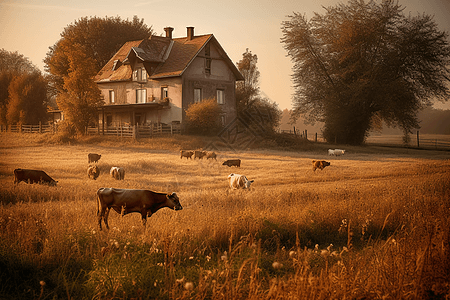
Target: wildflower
(277, 265)
(189, 286)
(208, 258)
(224, 256)
(42, 283)
(292, 254)
(191, 257)
(180, 280)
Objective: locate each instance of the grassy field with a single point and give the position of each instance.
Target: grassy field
(373, 225)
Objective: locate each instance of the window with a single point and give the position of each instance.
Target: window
(141, 96)
(197, 95)
(208, 50)
(164, 92)
(112, 98)
(208, 66)
(220, 96)
(140, 74)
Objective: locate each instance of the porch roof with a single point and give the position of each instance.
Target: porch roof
(134, 106)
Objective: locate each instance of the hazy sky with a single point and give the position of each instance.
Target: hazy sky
(31, 27)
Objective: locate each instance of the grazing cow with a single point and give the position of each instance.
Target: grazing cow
(125, 201)
(93, 172)
(336, 152)
(186, 153)
(93, 157)
(232, 162)
(199, 154)
(239, 181)
(117, 173)
(211, 155)
(319, 164)
(33, 176)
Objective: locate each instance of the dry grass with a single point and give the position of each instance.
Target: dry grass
(384, 211)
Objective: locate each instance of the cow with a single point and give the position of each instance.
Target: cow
(211, 155)
(232, 162)
(199, 154)
(319, 164)
(93, 172)
(336, 152)
(93, 158)
(186, 153)
(117, 173)
(237, 181)
(125, 201)
(33, 176)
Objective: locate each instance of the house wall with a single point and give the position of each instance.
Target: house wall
(220, 78)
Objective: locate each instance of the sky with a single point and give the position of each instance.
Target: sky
(30, 27)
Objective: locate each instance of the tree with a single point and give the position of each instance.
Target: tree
(84, 48)
(23, 90)
(204, 117)
(364, 62)
(247, 90)
(27, 99)
(259, 113)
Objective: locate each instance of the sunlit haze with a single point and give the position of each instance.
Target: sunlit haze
(31, 27)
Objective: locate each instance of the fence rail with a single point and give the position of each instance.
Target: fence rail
(40, 128)
(138, 131)
(425, 141)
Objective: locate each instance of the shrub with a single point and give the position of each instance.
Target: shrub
(204, 118)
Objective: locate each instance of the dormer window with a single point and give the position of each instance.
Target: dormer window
(140, 74)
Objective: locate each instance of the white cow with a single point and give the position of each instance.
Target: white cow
(336, 152)
(117, 173)
(239, 181)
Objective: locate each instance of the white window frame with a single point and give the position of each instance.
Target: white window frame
(141, 95)
(112, 96)
(220, 95)
(197, 95)
(164, 92)
(140, 74)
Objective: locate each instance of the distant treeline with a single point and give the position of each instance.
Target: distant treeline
(432, 121)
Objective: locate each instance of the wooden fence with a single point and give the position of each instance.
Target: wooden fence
(137, 131)
(40, 128)
(424, 141)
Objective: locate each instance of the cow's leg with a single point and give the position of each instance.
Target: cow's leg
(105, 217)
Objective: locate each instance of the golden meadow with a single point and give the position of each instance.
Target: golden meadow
(373, 225)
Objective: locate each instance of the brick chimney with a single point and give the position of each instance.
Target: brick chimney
(168, 31)
(190, 33)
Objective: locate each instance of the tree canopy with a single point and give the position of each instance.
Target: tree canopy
(258, 112)
(84, 48)
(23, 90)
(363, 62)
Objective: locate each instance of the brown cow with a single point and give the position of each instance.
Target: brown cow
(319, 164)
(33, 176)
(125, 201)
(93, 172)
(93, 158)
(117, 173)
(186, 153)
(232, 162)
(211, 155)
(199, 154)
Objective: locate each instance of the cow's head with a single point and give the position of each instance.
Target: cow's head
(248, 183)
(174, 201)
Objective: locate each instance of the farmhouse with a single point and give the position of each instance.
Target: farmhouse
(153, 81)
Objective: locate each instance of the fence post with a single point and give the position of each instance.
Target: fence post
(315, 139)
(418, 144)
(306, 134)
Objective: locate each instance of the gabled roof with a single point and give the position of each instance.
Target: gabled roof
(170, 56)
